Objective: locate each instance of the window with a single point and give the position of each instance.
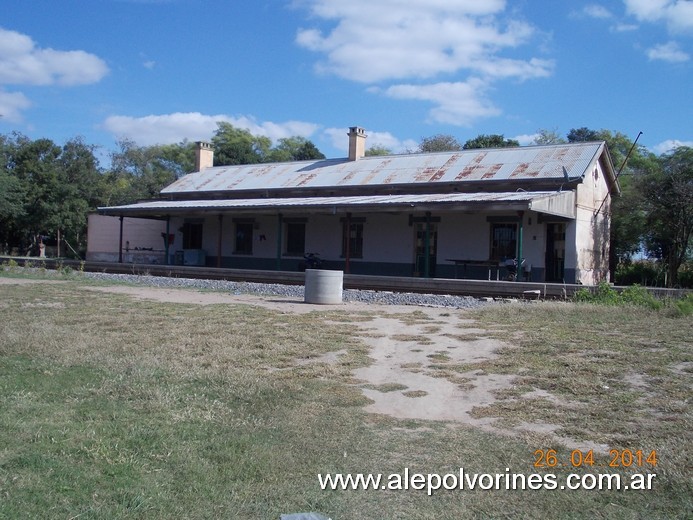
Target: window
(503, 241)
(355, 238)
(295, 238)
(244, 238)
(192, 235)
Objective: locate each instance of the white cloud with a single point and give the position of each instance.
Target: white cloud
(526, 139)
(12, 104)
(624, 27)
(23, 63)
(459, 103)
(667, 52)
(339, 140)
(193, 126)
(401, 44)
(677, 14)
(669, 145)
(397, 39)
(597, 11)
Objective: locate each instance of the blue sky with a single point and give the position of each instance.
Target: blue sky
(160, 71)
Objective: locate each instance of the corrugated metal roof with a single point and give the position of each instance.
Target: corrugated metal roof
(354, 202)
(522, 163)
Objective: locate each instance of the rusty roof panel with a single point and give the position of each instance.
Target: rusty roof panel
(533, 162)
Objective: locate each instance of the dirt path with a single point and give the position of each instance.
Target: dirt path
(414, 351)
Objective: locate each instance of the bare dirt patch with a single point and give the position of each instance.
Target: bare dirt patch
(415, 352)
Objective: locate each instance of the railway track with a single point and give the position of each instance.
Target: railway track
(459, 287)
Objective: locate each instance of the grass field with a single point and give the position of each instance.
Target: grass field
(112, 407)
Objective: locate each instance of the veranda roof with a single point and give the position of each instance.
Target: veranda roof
(559, 203)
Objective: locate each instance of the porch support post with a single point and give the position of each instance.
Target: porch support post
(221, 218)
(168, 231)
(120, 242)
(427, 247)
(347, 250)
(521, 214)
(279, 241)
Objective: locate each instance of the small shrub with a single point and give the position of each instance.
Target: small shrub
(583, 294)
(10, 265)
(638, 295)
(684, 306)
(685, 277)
(605, 294)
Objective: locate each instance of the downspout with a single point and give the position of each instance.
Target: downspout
(347, 252)
(279, 242)
(120, 242)
(519, 246)
(427, 246)
(168, 231)
(221, 218)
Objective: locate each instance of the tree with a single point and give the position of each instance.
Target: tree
(238, 146)
(294, 149)
(378, 149)
(439, 143)
(581, 135)
(668, 196)
(141, 172)
(545, 136)
(36, 168)
(490, 141)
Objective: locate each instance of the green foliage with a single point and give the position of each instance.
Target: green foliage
(439, 143)
(141, 172)
(605, 294)
(294, 149)
(490, 141)
(10, 265)
(684, 306)
(545, 136)
(378, 150)
(638, 295)
(238, 146)
(581, 135)
(643, 272)
(668, 202)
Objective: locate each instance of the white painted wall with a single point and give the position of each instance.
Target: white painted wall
(591, 238)
(138, 234)
(534, 241)
(388, 238)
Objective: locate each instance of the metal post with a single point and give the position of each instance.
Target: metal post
(347, 252)
(120, 242)
(168, 231)
(518, 276)
(279, 242)
(427, 246)
(221, 217)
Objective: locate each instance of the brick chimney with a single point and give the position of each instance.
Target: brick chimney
(204, 155)
(357, 143)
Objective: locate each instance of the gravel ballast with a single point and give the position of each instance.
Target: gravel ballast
(293, 291)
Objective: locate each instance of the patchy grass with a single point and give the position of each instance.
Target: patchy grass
(419, 339)
(386, 387)
(415, 393)
(610, 375)
(112, 407)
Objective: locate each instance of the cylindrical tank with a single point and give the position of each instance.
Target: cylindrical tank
(323, 286)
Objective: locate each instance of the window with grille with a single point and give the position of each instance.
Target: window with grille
(503, 241)
(244, 238)
(295, 238)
